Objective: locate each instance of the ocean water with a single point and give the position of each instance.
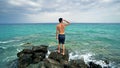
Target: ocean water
(93, 42)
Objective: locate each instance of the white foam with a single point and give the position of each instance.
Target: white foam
(8, 41)
(100, 62)
(48, 53)
(87, 58)
(18, 50)
(73, 56)
(22, 44)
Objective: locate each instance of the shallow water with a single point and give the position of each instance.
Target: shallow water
(95, 42)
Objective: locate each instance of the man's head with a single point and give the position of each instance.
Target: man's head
(60, 20)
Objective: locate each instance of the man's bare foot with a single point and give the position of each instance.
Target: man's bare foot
(63, 54)
(58, 51)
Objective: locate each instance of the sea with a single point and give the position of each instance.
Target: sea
(95, 42)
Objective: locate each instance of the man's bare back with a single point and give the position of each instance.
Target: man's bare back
(61, 28)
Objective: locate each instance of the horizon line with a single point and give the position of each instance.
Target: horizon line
(71, 23)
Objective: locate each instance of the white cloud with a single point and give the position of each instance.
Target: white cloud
(106, 0)
(24, 3)
(46, 16)
(74, 10)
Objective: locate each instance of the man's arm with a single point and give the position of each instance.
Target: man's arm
(66, 22)
(57, 32)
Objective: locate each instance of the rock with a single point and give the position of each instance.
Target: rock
(37, 57)
(27, 51)
(41, 48)
(24, 61)
(24, 51)
(77, 64)
(37, 65)
(30, 56)
(20, 54)
(50, 63)
(106, 61)
(93, 65)
(59, 57)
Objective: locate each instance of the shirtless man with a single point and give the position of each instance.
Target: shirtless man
(60, 34)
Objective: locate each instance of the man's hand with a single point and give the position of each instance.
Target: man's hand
(56, 38)
(66, 21)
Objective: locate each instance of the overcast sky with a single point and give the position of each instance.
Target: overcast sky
(39, 11)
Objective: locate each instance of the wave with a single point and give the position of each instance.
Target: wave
(8, 41)
(88, 57)
(7, 59)
(1, 47)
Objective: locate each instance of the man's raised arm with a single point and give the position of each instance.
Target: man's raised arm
(66, 22)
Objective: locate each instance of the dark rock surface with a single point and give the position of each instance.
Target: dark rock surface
(31, 56)
(93, 65)
(36, 58)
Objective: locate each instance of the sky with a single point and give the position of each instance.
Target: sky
(48, 11)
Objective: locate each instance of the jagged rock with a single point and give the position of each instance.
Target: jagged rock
(24, 51)
(41, 48)
(37, 57)
(37, 65)
(24, 61)
(27, 51)
(93, 65)
(50, 63)
(30, 56)
(59, 57)
(77, 64)
(106, 61)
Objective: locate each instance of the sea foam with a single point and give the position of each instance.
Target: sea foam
(8, 41)
(88, 57)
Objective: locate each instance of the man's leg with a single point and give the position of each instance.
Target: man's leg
(58, 48)
(63, 47)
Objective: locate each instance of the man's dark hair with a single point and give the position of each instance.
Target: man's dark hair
(60, 20)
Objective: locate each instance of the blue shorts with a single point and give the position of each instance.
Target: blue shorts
(61, 38)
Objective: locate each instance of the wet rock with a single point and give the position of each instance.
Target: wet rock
(31, 56)
(106, 61)
(93, 65)
(37, 57)
(59, 57)
(50, 63)
(24, 61)
(77, 64)
(41, 48)
(37, 65)
(24, 51)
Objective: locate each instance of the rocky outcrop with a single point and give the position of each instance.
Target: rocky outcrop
(31, 56)
(36, 58)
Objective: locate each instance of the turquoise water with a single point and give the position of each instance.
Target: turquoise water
(102, 41)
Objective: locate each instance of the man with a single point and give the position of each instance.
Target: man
(60, 34)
